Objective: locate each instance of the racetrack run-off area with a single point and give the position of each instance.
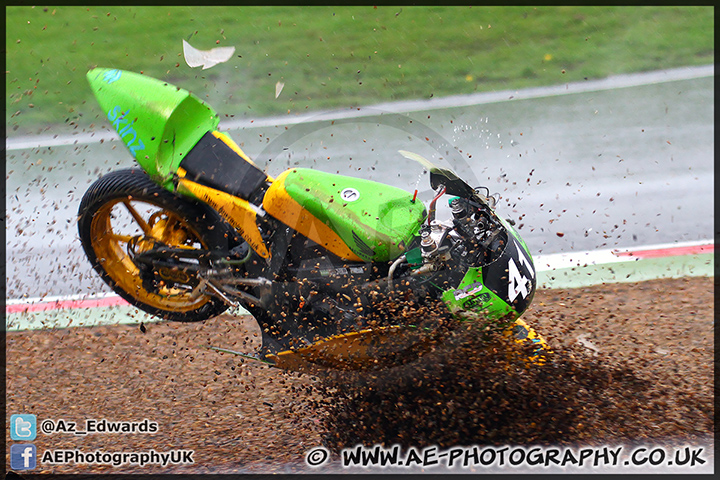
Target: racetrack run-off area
(632, 366)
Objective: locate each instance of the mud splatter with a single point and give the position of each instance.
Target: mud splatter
(463, 392)
(652, 379)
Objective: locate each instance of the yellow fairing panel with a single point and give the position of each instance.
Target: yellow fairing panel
(352, 351)
(234, 209)
(280, 205)
(529, 335)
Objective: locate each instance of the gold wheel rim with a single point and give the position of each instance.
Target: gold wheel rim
(119, 221)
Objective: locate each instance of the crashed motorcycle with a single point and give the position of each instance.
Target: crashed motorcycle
(306, 253)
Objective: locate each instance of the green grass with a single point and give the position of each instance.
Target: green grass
(333, 57)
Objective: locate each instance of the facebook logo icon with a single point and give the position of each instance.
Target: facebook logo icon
(23, 457)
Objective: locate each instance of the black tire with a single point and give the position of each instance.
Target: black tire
(192, 222)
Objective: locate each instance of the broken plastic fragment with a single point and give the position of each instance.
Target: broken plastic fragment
(206, 58)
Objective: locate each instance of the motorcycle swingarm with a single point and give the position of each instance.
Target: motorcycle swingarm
(195, 268)
(179, 264)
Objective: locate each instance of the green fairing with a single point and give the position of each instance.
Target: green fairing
(482, 299)
(158, 122)
(472, 295)
(377, 225)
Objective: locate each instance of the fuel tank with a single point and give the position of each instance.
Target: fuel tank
(356, 219)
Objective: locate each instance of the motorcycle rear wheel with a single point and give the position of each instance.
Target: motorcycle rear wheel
(126, 205)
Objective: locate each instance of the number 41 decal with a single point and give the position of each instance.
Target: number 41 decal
(518, 284)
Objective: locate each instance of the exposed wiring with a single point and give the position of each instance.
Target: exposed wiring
(431, 210)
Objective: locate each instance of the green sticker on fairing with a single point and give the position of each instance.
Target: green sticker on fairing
(472, 295)
(158, 122)
(375, 220)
